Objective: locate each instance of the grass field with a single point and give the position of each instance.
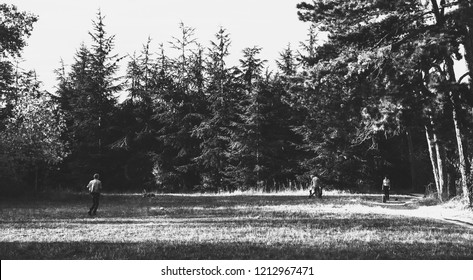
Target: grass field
(257, 226)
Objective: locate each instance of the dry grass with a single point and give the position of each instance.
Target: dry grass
(236, 226)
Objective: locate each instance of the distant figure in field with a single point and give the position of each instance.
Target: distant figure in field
(315, 187)
(386, 187)
(94, 187)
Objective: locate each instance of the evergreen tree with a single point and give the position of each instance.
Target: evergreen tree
(215, 129)
(287, 64)
(136, 123)
(87, 96)
(279, 153)
(246, 140)
(179, 106)
(397, 55)
(336, 92)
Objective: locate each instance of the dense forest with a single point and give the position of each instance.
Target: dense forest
(379, 97)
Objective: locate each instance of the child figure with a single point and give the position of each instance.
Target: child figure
(315, 188)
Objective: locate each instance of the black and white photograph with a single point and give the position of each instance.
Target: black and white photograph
(284, 133)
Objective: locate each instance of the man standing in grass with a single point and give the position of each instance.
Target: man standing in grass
(386, 187)
(94, 186)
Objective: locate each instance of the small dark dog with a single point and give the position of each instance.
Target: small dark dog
(147, 194)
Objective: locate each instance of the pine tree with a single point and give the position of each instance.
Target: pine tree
(287, 65)
(215, 129)
(401, 51)
(87, 97)
(179, 106)
(246, 137)
(135, 120)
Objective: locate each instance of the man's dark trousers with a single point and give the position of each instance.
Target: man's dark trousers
(95, 203)
(385, 193)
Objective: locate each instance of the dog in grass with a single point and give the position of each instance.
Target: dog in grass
(147, 194)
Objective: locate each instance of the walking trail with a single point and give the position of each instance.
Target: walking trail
(410, 206)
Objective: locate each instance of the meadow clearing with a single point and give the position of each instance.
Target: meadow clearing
(232, 226)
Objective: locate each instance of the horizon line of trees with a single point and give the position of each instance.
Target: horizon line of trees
(378, 97)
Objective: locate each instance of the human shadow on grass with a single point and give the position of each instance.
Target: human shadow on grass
(234, 250)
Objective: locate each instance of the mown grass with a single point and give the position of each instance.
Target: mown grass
(284, 226)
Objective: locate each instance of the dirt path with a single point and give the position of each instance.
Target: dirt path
(410, 206)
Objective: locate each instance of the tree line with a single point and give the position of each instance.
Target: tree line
(378, 97)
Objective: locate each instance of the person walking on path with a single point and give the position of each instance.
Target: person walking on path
(386, 187)
(94, 187)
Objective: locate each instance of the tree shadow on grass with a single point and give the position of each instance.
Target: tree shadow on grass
(233, 250)
(270, 219)
(210, 201)
(133, 206)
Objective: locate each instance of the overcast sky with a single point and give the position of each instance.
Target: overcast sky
(64, 24)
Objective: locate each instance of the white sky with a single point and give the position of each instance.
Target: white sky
(64, 24)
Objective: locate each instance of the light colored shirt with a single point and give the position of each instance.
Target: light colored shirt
(94, 186)
(386, 182)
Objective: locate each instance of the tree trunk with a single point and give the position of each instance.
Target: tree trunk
(433, 160)
(436, 11)
(461, 154)
(437, 156)
(440, 154)
(462, 159)
(410, 146)
(468, 46)
(468, 42)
